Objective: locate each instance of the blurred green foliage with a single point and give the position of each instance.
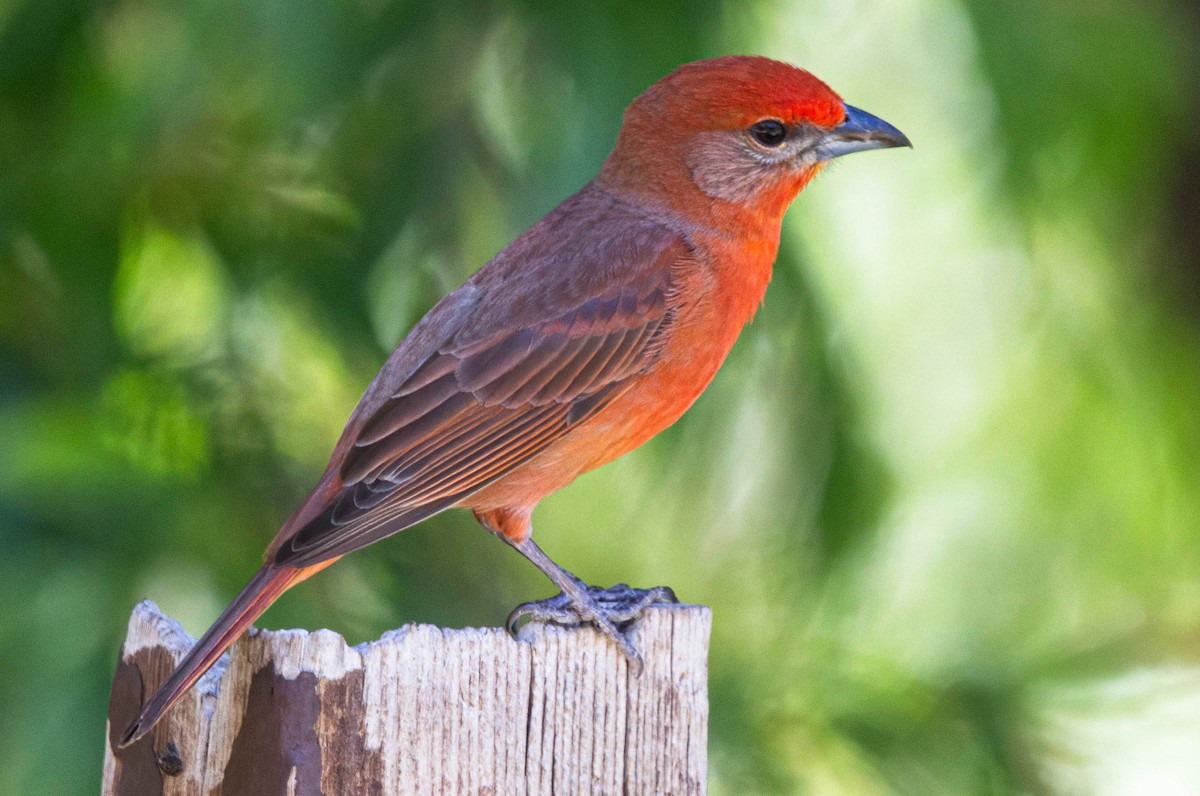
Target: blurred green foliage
(943, 498)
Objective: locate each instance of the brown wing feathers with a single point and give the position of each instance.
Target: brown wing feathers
(474, 411)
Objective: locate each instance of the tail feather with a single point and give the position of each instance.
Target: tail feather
(262, 590)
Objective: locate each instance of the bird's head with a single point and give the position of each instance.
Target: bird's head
(735, 136)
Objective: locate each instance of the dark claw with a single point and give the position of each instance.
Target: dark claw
(620, 605)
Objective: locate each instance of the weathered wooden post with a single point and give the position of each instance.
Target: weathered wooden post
(422, 710)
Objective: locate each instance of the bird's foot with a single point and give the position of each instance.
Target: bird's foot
(611, 610)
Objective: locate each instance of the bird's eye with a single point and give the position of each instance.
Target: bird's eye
(769, 132)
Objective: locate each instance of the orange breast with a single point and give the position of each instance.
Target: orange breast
(714, 303)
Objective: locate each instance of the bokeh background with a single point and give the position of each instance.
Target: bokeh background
(944, 498)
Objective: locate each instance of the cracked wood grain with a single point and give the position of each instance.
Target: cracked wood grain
(422, 710)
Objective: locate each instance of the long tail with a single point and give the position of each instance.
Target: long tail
(262, 590)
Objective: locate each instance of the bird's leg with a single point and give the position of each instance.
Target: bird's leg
(578, 603)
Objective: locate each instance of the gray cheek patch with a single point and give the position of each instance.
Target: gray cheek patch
(726, 166)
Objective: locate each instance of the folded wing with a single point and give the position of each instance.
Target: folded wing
(473, 411)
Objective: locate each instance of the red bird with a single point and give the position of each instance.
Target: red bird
(584, 338)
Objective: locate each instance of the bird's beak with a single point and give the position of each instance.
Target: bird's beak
(859, 132)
